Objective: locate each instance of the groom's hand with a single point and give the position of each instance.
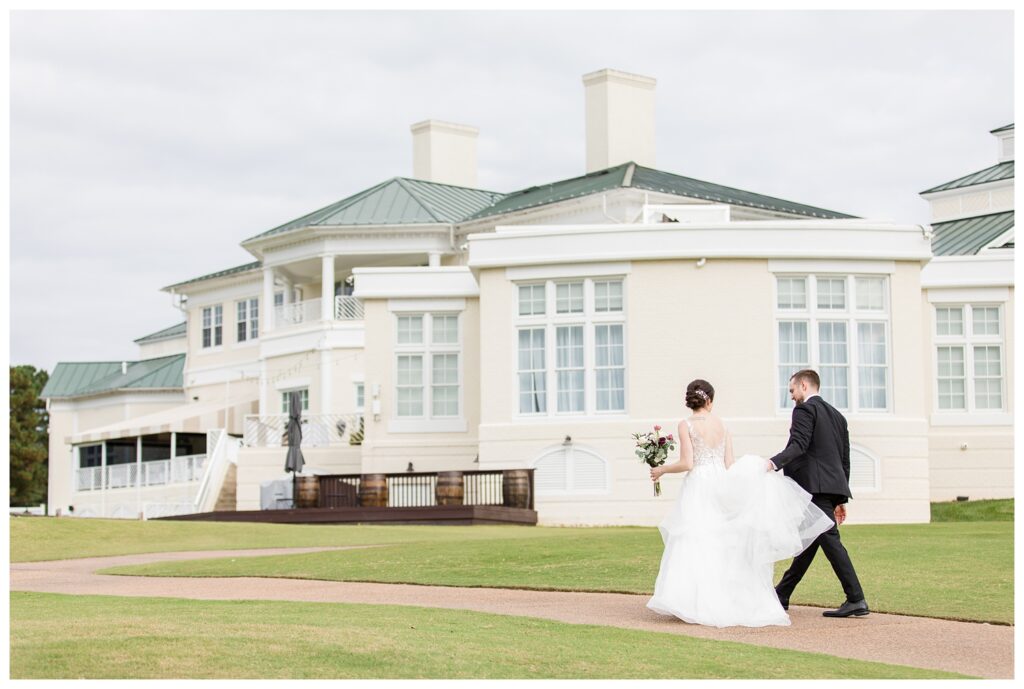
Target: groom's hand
(840, 514)
(769, 465)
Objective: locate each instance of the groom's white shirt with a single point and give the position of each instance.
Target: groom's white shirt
(813, 394)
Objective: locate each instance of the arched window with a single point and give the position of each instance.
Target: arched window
(864, 470)
(570, 469)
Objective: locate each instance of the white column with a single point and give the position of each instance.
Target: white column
(103, 480)
(434, 259)
(138, 475)
(327, 289)
(325, 381)
(289, 292)
(267, 315)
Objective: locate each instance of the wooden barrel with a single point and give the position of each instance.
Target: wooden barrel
(515, 488)
(307, 491)
(449, 488)
(373, 490)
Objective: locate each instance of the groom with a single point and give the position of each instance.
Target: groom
(817, 457)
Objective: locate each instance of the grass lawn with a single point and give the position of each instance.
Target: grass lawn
(58, 636)
(976, 511)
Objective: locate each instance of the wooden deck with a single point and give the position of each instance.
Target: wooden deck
(434, 514)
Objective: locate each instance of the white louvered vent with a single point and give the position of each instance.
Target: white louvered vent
(551, 474)
(863, 471)
(588, 471)
(570, 470)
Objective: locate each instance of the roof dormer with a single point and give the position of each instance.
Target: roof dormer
(1005, 137)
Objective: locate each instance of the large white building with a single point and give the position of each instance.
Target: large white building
(427, 322)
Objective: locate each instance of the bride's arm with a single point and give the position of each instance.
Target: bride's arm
(729, 459)
(685, 462)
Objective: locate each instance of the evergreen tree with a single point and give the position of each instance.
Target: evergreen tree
(29, 437)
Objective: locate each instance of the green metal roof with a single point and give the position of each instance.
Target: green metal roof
(75, 379)
(995, 173)
(166, 334)
(1002, 129)
(639, 177)
(397, 201)
(220, 273)
(968, 236)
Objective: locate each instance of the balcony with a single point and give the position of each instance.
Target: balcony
(346, 308)
(318, 430)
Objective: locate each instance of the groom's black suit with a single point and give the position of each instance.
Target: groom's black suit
(817, 457)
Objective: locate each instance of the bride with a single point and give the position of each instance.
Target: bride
(732, 520)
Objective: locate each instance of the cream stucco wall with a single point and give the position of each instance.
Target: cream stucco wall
(971, 459)
(153, 350)
(385, 451)
(715, 322)
(78, 415)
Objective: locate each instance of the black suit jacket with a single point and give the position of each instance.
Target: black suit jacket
(817, 456)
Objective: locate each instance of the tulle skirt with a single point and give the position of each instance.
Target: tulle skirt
(722, 537)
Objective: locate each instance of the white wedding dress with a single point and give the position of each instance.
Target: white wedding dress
(722, 536)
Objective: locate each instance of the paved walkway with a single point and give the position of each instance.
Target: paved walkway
(978, 649)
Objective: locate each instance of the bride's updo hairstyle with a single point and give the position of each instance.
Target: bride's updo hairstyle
(699, 393)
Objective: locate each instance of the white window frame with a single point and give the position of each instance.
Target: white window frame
(251, 333)
(427, 422)
(285, 392)
(851, 315)
(214, 310)
(550, 321)
(968, 341)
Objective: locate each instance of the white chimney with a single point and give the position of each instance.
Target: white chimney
(444, 152)
(620, 119)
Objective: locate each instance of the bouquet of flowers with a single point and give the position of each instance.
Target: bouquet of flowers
(653, 448)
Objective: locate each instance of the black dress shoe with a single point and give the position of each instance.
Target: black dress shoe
(848, 608)
(783, 601)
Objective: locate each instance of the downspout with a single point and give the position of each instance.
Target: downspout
(604, 209)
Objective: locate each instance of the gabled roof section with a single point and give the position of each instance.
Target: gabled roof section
(170, 333)
(90, 378)
(995, 173)
(220, 273)
(968, 236)
(639, 177)
(397, 201)
(1004, 128)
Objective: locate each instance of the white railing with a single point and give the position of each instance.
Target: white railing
(318, 430)
(348, 308)
(297, 313)
(160, 472)
(223, 450)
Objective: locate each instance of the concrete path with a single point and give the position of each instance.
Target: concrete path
(970, 648)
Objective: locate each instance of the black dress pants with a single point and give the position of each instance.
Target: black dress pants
(834, 550)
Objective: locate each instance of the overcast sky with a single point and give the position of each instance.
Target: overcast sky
(146, 145)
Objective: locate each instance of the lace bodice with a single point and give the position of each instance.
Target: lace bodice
(702, 454)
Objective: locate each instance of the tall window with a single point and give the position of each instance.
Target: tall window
(839, 326)
(969, 357)
(570, 339)
(213, 322)
(360, 396)
(247, 323)
(428, 370)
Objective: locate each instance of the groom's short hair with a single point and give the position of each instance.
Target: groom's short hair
(808, 375)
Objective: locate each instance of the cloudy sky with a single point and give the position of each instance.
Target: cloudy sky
(146, 145)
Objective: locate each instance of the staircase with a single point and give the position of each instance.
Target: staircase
(227, 498)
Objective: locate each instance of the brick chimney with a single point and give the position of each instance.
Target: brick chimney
(620, 119)
(444, 152)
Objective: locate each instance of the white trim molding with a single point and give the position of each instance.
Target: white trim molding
(983, 270)
(971, 419)
(821, 266)
(426, 304)
(418, 282)
(567, 270)
(456, 425)
(782, 239)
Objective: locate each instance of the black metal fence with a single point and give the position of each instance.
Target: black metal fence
(419, 489)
